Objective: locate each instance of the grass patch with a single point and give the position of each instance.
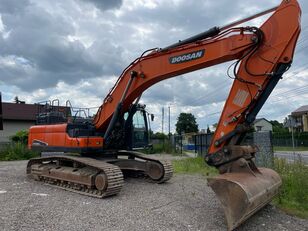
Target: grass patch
(194, 166)
(293, 196)
(16, 151)
(290, 149)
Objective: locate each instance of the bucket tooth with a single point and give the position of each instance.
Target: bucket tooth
(244, 193)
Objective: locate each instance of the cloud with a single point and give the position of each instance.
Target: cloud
(105, 4)
(76, 49)
(42, 40)
(13, 6)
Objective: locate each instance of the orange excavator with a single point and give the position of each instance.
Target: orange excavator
(106, 144)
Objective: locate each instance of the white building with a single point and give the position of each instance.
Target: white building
(261, 125)
(20, 116)
(16, 117)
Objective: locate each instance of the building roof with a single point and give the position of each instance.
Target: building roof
(20, 111)
(259, 119)
(300, 111)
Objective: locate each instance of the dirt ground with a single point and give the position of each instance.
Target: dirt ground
(184, 203)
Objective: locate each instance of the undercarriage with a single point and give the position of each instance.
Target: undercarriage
(97, 177)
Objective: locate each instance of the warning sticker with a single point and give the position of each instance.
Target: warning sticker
(240, 97)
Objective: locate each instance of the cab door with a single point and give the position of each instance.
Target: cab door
(140, 135)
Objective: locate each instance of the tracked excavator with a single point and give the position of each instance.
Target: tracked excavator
(106, 144)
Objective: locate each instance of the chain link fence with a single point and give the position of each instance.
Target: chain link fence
(263, 140)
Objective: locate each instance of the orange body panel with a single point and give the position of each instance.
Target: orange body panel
(56, 136)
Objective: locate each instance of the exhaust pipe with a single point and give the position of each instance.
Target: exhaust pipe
(244, 191)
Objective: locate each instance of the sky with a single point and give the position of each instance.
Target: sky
(76, 49)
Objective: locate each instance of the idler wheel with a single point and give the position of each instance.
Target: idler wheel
(155, 170)
(101, 181)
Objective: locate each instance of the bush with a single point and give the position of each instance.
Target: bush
(16, 151)
(20, 137)
(293, 196)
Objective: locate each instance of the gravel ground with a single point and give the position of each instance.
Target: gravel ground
(185, 203)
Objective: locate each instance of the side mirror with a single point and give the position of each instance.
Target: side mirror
(152, 117)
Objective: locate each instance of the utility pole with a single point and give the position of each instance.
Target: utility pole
(291, 123)
(293, 143)
(169, 123)
(162, 120)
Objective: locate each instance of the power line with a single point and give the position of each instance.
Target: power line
(300, 69)
(214, 113)
(305, 86)
(212, 93)
(301, 88)
(302, 93)
(302, 48)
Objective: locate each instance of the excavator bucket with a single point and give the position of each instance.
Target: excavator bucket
(244, 193)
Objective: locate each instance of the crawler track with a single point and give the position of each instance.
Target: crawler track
(97, 177)
(168, 171)
(42, 169)
(166, 165)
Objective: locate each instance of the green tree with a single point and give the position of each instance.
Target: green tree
(208, 130)
(159, 136)
(215, 125)
(16, 99)
(186, 123)
(278, 127)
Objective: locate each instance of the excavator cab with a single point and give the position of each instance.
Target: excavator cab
(136, 124)
(140, 130)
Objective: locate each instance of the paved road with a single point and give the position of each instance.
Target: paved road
(185, 203)
(290, 156)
